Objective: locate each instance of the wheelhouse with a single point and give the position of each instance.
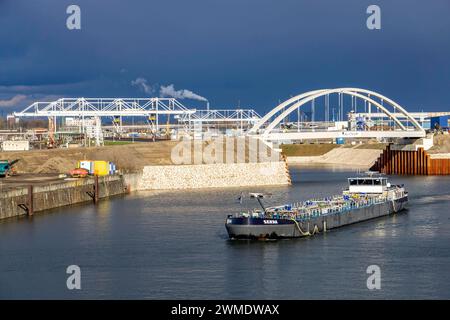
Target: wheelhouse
(368, 185)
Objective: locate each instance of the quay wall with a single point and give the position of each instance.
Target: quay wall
(132, 181)
(16, 202)
(214, 175)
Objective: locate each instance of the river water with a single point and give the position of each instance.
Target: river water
(157, 245)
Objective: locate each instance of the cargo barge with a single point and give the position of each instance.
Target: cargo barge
(366, 198)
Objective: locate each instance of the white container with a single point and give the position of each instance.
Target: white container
(16, 145)
(86, 164)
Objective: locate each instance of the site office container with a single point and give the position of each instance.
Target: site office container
(112, 168)
(98, 167)
(86, 164)
(441, 121)
(101, 168)
(15, 145)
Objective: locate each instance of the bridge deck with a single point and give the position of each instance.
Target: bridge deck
(278, 136)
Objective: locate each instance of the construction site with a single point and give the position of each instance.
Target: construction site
(71, 123)
(78, 139)
(53, 137)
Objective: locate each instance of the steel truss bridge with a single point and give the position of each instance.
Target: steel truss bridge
(135, 107)
(104, 107)
(240, 117)
(404, 126)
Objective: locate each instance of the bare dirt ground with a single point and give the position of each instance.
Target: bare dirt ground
(441, 144)
(372, 146)
(359, 155)
(309, 150)
(130, 157)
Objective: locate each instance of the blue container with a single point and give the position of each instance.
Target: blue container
(360, 123)
(112, 168)
(439, 122)
(340, 141)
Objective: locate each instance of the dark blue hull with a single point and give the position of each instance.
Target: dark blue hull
(256, 228)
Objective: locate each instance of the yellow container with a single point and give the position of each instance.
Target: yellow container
(101, 168)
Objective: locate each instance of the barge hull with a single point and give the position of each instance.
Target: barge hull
(254, 228)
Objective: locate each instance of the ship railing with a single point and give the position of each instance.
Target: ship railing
(337, 205)
(342, 209)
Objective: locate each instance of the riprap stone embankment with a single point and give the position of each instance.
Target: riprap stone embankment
(214, 175)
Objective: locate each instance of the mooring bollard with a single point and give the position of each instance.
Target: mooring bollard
(96, 190)
(94, 194)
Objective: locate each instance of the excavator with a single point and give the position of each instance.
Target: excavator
(7, 168)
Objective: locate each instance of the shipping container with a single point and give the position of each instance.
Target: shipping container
(86, 164)
(98, 167)
(340, 140)
(440, 122)
(101, 168)
(112, 168)
(360, 123)
(16, 145)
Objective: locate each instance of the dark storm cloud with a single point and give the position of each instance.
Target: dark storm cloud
(256, 51)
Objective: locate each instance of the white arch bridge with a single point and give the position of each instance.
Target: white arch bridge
(406, 126)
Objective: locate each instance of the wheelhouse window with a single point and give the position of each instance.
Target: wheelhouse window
(367, 182)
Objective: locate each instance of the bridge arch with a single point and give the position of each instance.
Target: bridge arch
(304, 98)
(280, 107)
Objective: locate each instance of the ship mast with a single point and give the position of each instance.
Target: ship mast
(258, 197)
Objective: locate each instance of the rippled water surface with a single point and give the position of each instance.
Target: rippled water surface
(174, 245)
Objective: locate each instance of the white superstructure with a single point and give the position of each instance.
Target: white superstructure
(368, 185)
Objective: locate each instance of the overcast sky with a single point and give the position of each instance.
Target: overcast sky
(253, 51)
